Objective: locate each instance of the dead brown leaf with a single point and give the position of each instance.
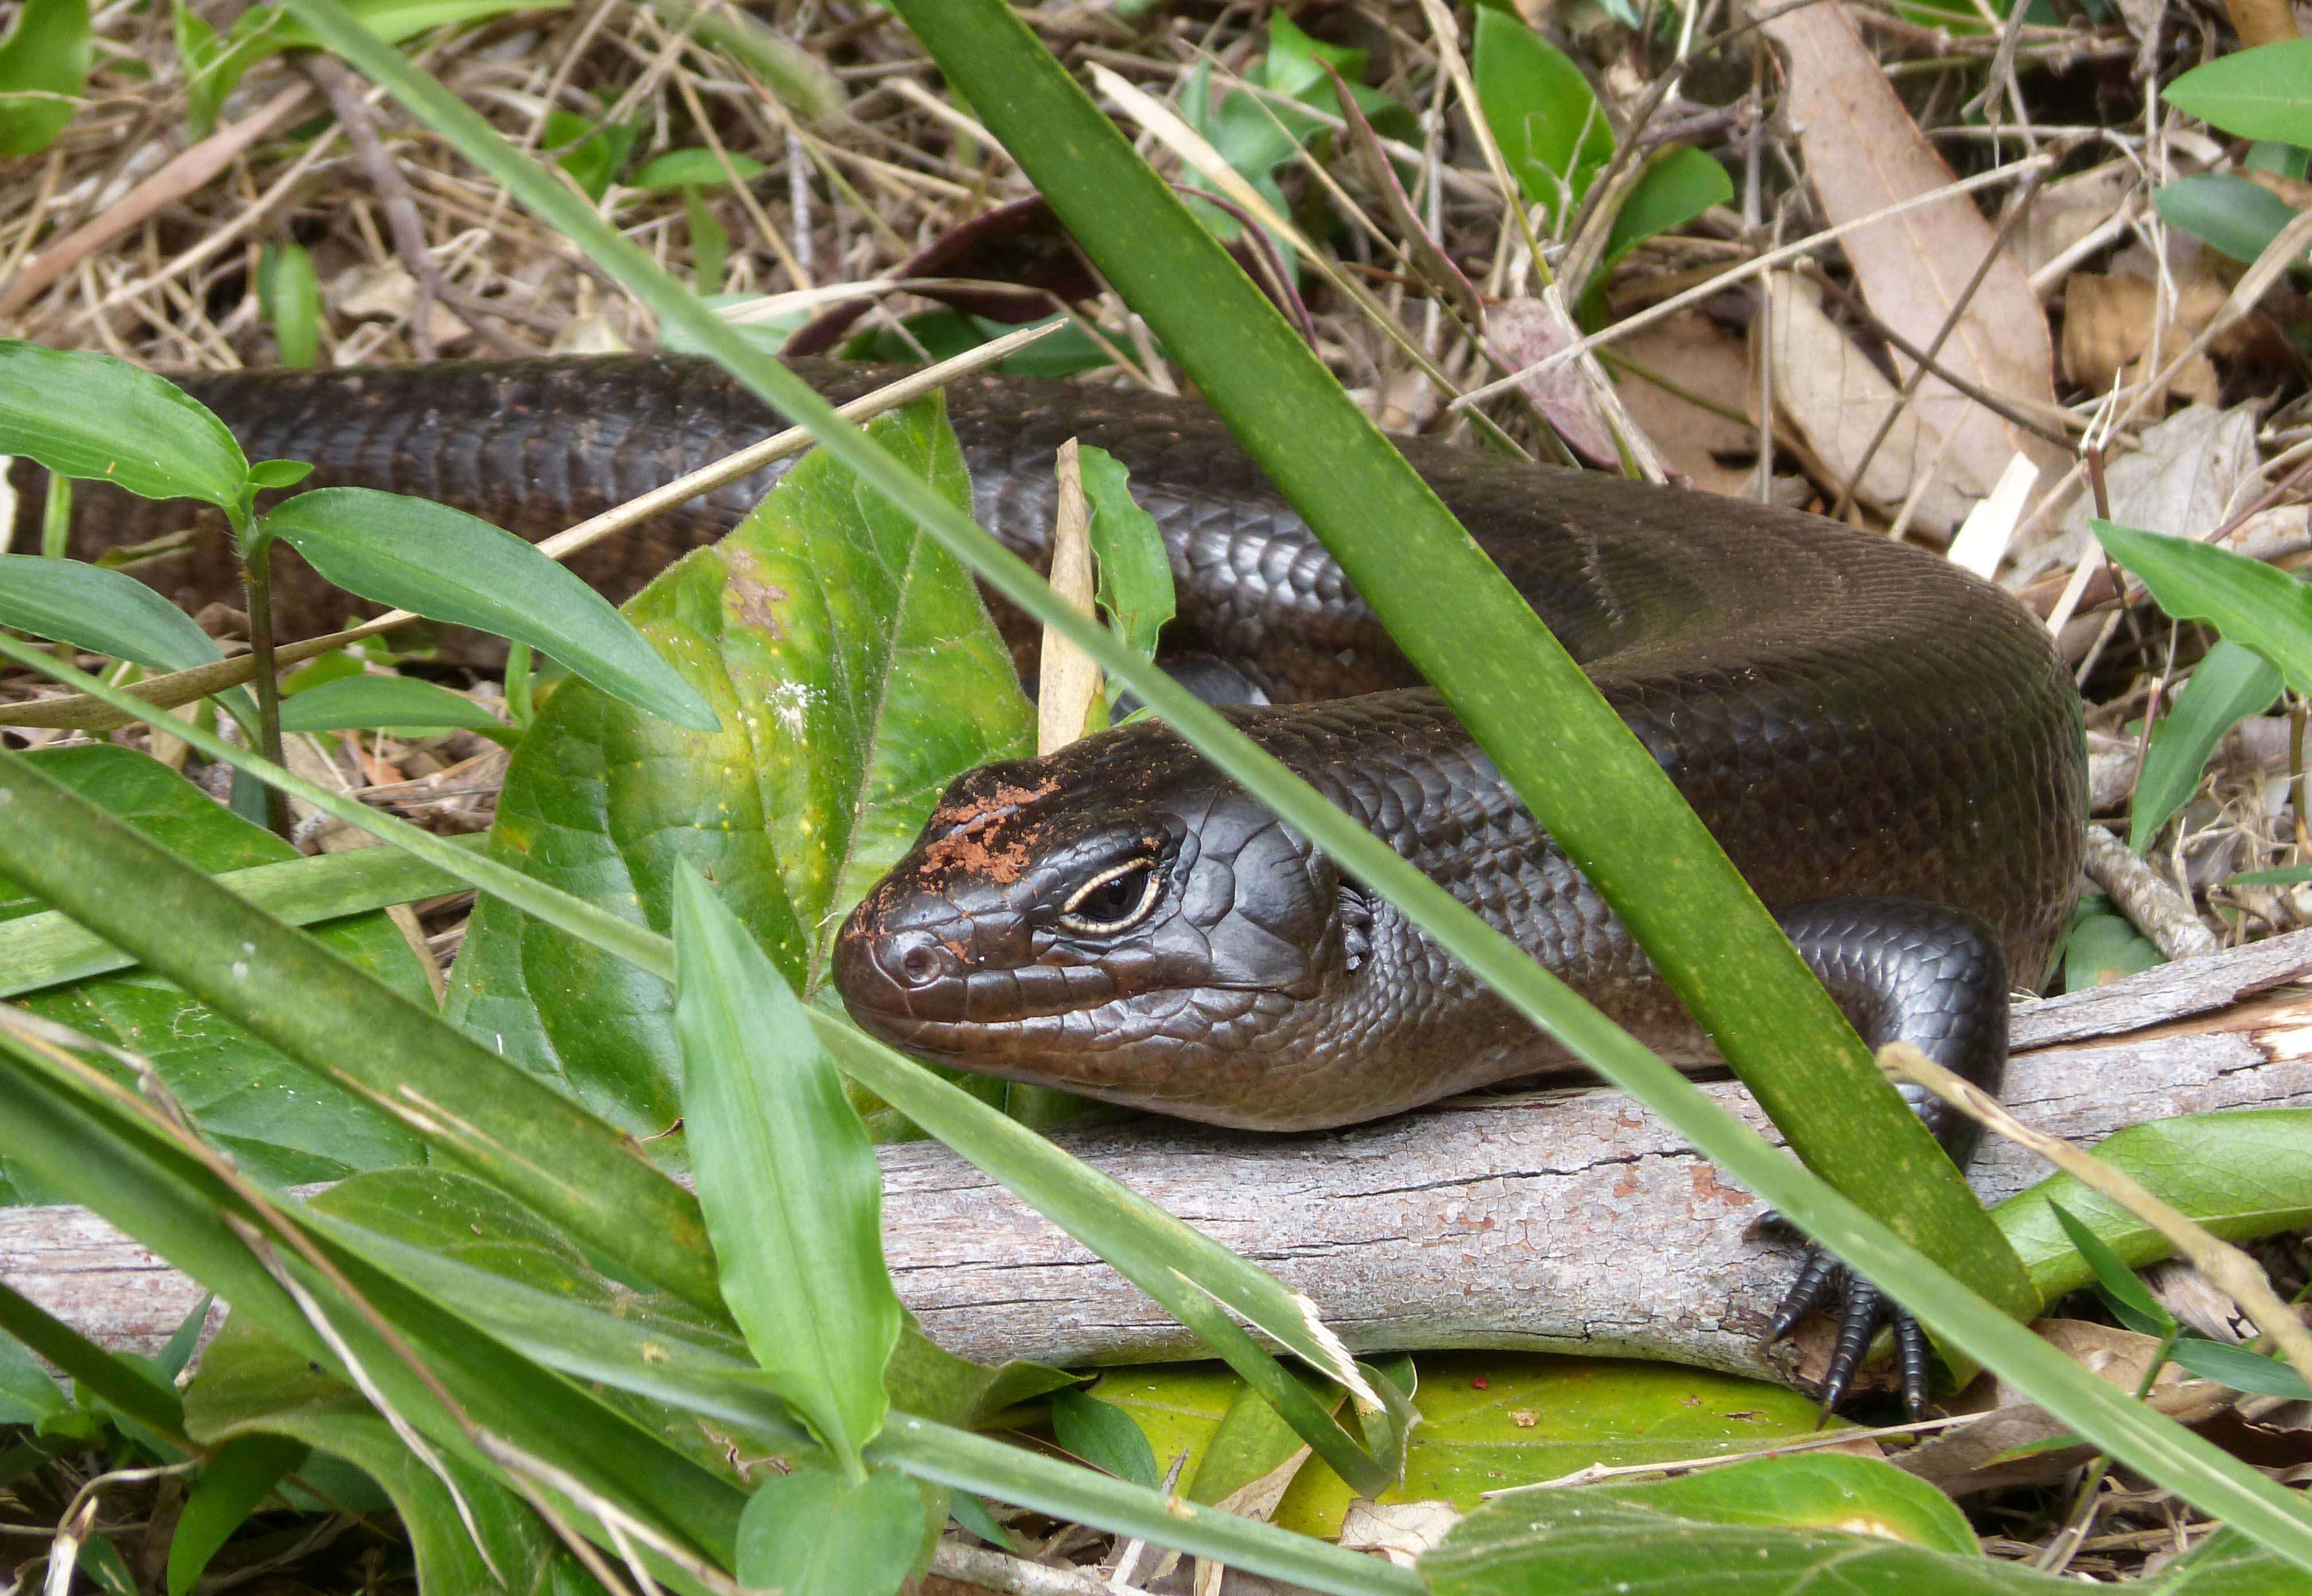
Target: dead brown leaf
(1705, 361)
(2109, 324)
(1864, 153)
(2068, 209)
(1524, 332)
(2261, 21)
(1837, 398)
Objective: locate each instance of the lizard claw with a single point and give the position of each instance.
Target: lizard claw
(1863, 1309)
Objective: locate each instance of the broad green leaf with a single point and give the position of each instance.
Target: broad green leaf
(368, 701)
(1135, 574)
(2237, 216)
(231, 1486)
(855, 673)
(694, 169)
(2102, 945)
(1493, 1419)
(813, 1533)
(2241, 1369)
(2227, 686)
(28, 1394)
(1250, 1445)
(2125, 1295)
(1679, 185)
(251, 1386)
(2266, 92)
(2243, 1173)
(2251, 603)
(1814, 1521)
(120, 424)
(101, 612)
(786, 1176)
(43, 64)
(279, 1122)
(289, 292)
(447, 565)
(1543, 115)
(1104, 1436)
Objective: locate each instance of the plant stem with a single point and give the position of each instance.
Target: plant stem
(257, 582)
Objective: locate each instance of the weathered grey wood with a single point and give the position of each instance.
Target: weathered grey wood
(1568, 1220)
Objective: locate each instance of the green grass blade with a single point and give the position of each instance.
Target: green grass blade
(512, 1130)
(49, 948)
(135, 1391)
(992, 1468)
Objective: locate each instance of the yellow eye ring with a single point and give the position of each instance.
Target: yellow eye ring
(1139, 911)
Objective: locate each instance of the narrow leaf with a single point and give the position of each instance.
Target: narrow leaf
(786, 1176)
(1135, 574)
(694, 169)
(2240, 1369)
(2125, 1293)
(447, 565)
(2251, 603)
(1103, 1435)
(123, 425)
(49, 948)
(231, 1487)
(99, 611)
(2266, 92)
(2230, 685)
(386, 700)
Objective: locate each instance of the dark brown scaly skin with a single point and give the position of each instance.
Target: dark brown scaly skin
(1887, 748)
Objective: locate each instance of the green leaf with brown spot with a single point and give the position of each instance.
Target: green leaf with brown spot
(855, 673)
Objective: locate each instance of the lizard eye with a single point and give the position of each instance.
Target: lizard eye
(1114, 901)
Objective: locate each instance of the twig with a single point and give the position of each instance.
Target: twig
(399, 201)
(2157, 909)
(2225, 1266)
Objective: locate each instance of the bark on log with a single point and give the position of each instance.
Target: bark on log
(1566, 1220)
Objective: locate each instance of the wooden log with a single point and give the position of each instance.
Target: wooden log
(1566, 1220)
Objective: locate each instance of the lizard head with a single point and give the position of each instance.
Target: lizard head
(1121, 920)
